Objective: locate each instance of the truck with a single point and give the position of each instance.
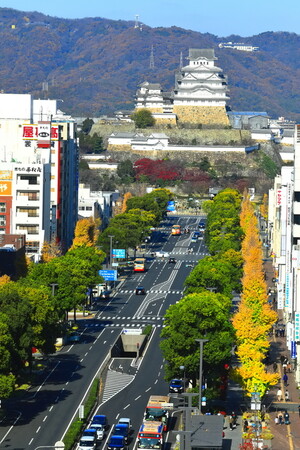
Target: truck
(157, 409)
(150, 435)
(116, 442)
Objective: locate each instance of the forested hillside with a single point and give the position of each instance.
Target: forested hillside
(94, 65)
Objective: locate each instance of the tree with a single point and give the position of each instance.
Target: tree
(87, 125)
(125, 170)
(204, 315)
(86, 232)
(211, 273)
(50, 250)
(143, 118)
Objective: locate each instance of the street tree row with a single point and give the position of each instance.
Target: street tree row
(205, 312)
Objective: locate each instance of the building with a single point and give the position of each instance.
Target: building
(96, 204)
(199, 97)
(284, 236)
(200, 92)
(38, 142)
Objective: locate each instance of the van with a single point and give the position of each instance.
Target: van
(87, 443)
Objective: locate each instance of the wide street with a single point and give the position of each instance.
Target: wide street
(43, 415)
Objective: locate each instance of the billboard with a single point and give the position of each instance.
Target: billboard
(109, 275)
(5, 187)
(118, 253)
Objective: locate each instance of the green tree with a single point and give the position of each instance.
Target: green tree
(143, 118)
(211, 274)
(197, 316)
(87, 125)
(97, 143)
(125, 170)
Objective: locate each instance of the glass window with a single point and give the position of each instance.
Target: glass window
(2, 207)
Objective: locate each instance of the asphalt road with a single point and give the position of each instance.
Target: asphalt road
(43, 415)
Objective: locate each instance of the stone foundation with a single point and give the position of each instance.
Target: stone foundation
(119, 148)
(152, 110)
(166, 121)
(206, 115)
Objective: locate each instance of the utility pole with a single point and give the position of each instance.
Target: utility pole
(110, 250)
(201, 342)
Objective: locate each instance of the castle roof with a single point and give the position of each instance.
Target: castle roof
(196, 53)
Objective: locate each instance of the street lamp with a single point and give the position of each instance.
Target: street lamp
(183, 369)
(110, 250)
(201, 342)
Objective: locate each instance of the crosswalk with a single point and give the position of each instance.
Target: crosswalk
(135, 323)
(181, 252)
(114, 383)
(151, 291)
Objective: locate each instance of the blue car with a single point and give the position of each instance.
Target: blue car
(176, 386)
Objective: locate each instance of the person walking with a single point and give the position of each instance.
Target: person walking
(275, 366)
(285, 379)
(280, 418)
(231, 423)
(279, 395)
(287, 396)
(245, 425)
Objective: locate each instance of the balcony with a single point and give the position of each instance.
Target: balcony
(25, 218)
(296, 231)
(27, 200)
(25, 184)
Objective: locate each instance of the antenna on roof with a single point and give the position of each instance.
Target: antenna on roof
(151, 65)
(180, 61)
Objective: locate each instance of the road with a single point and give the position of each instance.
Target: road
(43, 415)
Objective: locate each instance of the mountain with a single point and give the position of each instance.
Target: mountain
(95, 65)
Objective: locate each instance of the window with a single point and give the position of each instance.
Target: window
(89, 208)
(2, 220)
(2, 207)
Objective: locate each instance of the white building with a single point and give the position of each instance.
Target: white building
(35, 132)
(284, 229)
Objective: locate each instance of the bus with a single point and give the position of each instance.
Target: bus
(176, 230)
(139, 265)
(151, 436)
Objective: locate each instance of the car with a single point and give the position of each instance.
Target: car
(162, 254)
(140, 290)
(172, 261)
(201, 225)
(87, 443)
(105, 295)
(99, 429)
(74, 337)
(100, 419)
(125, 420)
(90, 432)
(176, 386)
(122, 429)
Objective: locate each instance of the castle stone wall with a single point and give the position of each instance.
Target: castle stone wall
(119, 148)
(207, 115)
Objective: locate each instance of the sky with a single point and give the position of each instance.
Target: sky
(218, 17)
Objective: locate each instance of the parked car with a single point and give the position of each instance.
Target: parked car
(140, 290)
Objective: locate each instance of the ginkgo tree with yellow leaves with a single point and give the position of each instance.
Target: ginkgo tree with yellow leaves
(255, 316)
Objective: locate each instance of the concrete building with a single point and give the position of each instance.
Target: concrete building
(36, 134)
(284, 234)
(96, 203)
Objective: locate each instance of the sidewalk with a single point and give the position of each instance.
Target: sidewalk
(285, 436)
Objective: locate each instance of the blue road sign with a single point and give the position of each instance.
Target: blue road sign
(109, 275)
(118, 253)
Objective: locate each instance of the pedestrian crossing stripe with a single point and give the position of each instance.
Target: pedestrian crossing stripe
(130, 291)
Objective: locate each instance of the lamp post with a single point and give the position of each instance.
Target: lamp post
(183, 369)
(110, 249)
(201, 342)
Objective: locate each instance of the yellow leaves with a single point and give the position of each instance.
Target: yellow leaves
(86, 232)
(127, 196)
(4, 280)
(50, 250)
(255, 316)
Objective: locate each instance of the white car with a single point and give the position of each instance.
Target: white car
(162, 254)
(126, 421)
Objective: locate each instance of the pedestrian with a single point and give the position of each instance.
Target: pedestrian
(284, 366)
(282, 358)
(289, 367)
(299, 410)
(287, 396)
(276, 420)
(280, 418)
(279, 396)
(245, 425)
(274, 366)
(285, 379)
(231, 423)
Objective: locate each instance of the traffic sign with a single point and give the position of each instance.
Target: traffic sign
(118, 253)
(109, 275)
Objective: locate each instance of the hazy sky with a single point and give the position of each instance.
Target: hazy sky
(218, 17)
